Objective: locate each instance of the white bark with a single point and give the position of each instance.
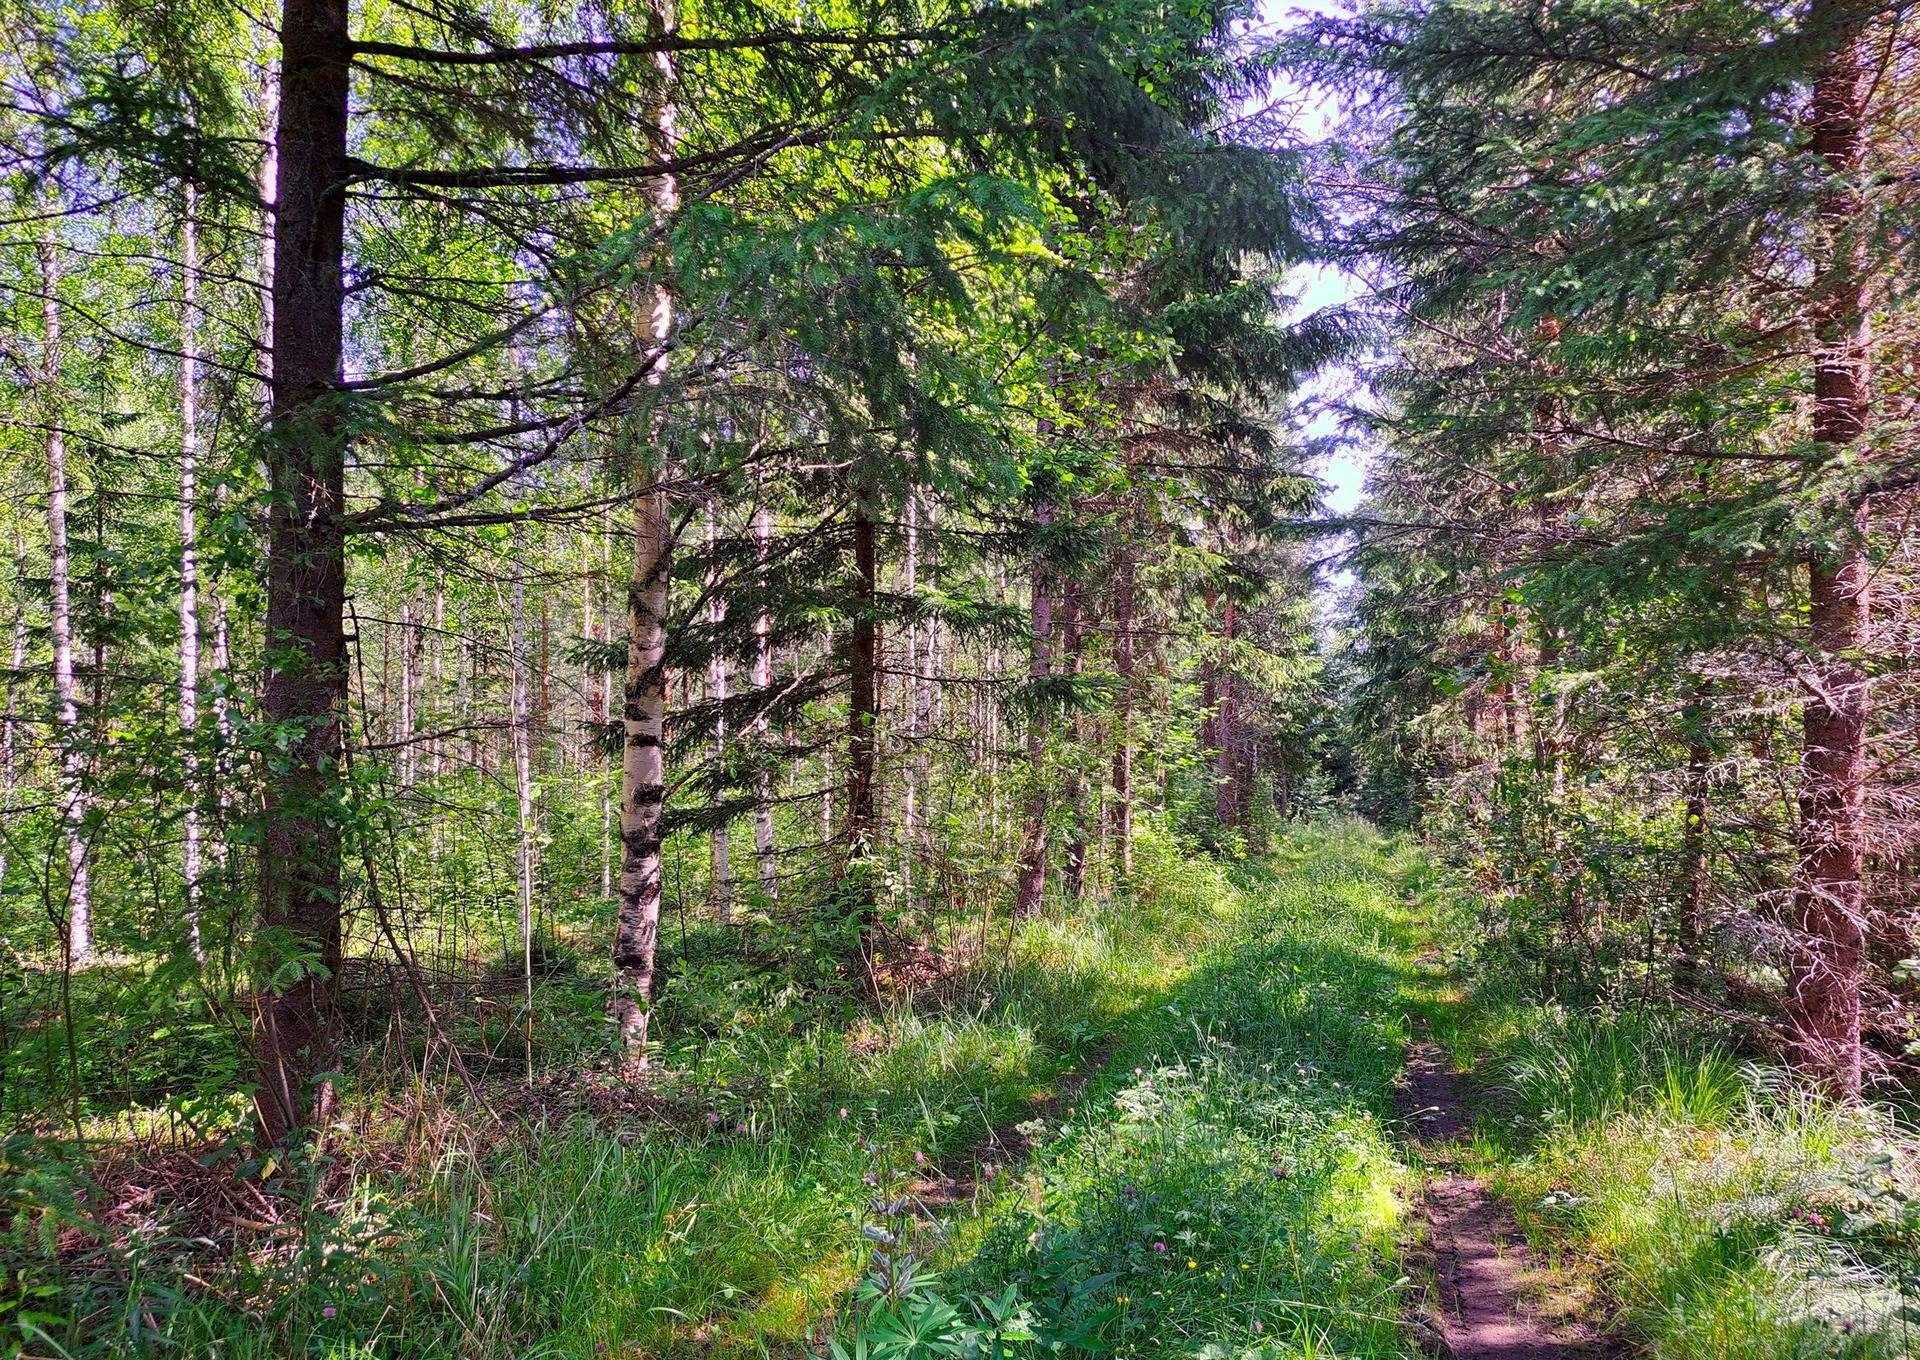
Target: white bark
(720, 859)
(73, 791)
(763, 838)
(644, 708)
(190, 850)
(523, 785)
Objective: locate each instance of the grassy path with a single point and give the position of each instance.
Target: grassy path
(1229, 1186)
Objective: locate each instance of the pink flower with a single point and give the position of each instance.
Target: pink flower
(843, 1112)
(328, 1311)
(1159, 1246)
(920, 1158)
(713, 1117)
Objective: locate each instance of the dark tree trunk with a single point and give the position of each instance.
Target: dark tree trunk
(1828, 941)
(304, 696)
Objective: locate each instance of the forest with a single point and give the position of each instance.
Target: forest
(969, 679)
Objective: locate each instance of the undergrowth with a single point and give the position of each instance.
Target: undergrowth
(735, 1226)
(1723, 1210)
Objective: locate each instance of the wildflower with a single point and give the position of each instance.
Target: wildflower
(713, 1116)
(843, 1112)
(1159, 1246)
(1258, 1327)
(1192, 1264)
(743, 1126)
(1122, 1299)
(920, 1158)
(329, 1311)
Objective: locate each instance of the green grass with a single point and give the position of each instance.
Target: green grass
(1714, 1209)
(1239, 1123)
(1229, 1189)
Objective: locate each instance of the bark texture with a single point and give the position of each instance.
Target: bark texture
(1829, 929)
(304, 696)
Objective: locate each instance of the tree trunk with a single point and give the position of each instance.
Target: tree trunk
(525, 862)
(1076, 866)
(1032, 881)
(606, 708)
(924, 693)
(1693, 839)
(1123, 665)
(190, 855)
(863, 724)
(1226, 727)
(719, 843)
(73, 765)
(763, 842)
(643, 792)
(9, 717)
(911, 811)
(1828, 945)
(304, 696)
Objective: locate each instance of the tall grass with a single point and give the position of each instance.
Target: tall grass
(1730, 1213)
(732, 1227)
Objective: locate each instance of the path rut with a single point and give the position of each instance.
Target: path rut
(1492, 1301)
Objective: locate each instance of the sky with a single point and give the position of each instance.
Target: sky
(1344, 472)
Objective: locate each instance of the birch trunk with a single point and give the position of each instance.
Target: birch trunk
(190, 853)
(863, 724)
(73, 790)
(644, 706)
(763, 838)
(523, 783)
(910, 806)
(719, 846)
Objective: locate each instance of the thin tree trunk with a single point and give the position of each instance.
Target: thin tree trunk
(73, 771)
(190, 856)
(412, 644)
(1693, 838)
(863, 724)
(910, 806)
(9, 718)
(763, 838)
(305, 693)
(525, 862)
(1829, 896)
(606, 708)
(719, 840)
(643, 792)
(1074, 639)
(1123, 665)
(1032, 880)
(924, 694)
(1226, 725)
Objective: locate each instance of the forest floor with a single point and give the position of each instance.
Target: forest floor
(1269, 1112)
